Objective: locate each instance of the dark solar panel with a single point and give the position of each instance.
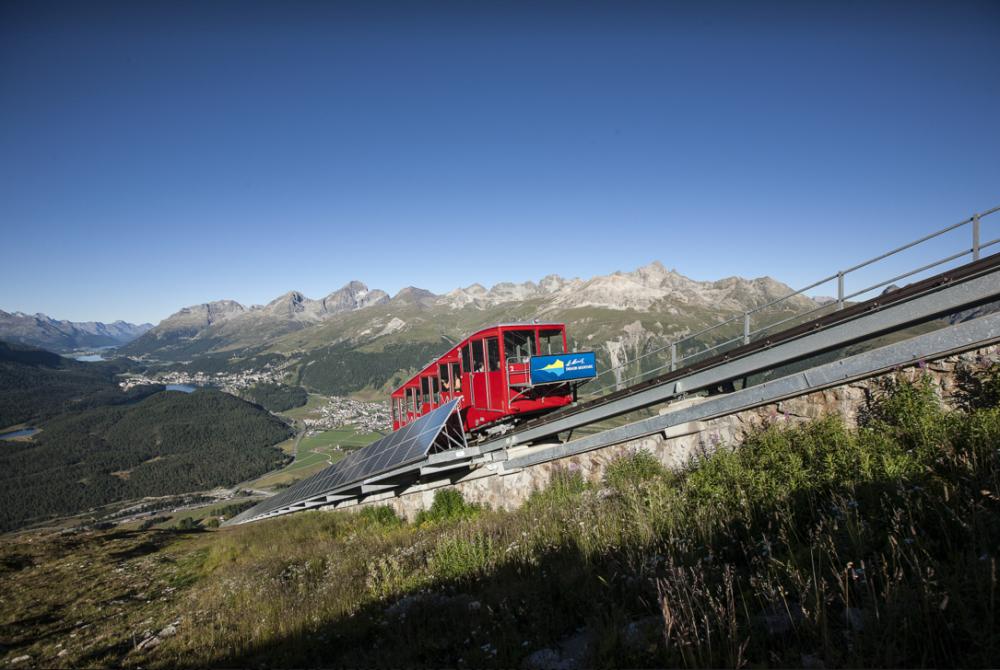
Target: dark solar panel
(403, 447)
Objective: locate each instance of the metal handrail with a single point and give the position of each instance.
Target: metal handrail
(677, 355)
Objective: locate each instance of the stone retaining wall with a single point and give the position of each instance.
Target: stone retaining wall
(683, 443)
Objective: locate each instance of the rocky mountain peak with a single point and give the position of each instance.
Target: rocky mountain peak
(290, 303)
(414, 295)
(353, 295)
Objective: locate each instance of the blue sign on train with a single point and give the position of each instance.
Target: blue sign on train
(563, 367)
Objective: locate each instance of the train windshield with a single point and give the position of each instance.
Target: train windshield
(550, 342)
(518, 343)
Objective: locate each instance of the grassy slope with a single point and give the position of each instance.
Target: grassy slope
(810, 544)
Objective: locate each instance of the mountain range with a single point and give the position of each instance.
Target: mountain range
(39, 330)
(620, 316)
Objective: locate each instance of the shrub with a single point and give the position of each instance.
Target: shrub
(978, 386)
(463, 557)
(152, 521)
(632, 469)
(909, 411)
(564, 489)
(380, 516)
(448, 504)
(188, 523)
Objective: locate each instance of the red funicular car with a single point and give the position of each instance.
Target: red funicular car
(501, 373)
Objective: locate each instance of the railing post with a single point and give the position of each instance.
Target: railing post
(975, 237)
(746, 327)
(840, 290)
(673, 356)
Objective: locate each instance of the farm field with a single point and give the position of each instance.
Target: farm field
(314, 402)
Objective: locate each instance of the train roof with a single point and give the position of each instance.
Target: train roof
(513, 324)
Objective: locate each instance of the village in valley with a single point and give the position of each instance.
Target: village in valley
(340, 411)
(330, 413)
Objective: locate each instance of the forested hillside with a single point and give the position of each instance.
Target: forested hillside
(339, 369)
(169, 443)
(36, 385)
(277, 397)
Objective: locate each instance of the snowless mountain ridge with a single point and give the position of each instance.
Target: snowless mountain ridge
(63, 336)
(640, 290)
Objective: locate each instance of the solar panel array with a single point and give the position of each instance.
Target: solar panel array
(406, 446)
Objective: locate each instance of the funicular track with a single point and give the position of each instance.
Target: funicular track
(662, 387)
(793, 357)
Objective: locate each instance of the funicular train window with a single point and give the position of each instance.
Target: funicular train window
(466, 358)
(445, 381)
(493, 353)
(411, 401)
(395, 410)
(518, 343)
(456, 377)
(419, 401)
(477, 356)
(550, 342)
(425, 388)
(436, 389)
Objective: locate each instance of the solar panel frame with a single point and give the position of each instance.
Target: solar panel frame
(396, 450)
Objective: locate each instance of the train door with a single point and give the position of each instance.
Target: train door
(456, 379)
(495, 384)
(427, 398)
(465, 380)
(411, 404)
(479, 385)
(435, 391)
(444, 378)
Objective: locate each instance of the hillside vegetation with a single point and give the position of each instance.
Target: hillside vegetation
(814, 546)
(169, 443)
(277, 397)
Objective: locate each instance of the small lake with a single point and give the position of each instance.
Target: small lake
(185, 388)
(25, 432)
(91, 355)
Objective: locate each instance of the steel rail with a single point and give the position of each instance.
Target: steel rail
(938, 344)
(675, 345)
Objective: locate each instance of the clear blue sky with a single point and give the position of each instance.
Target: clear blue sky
(155, 155)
